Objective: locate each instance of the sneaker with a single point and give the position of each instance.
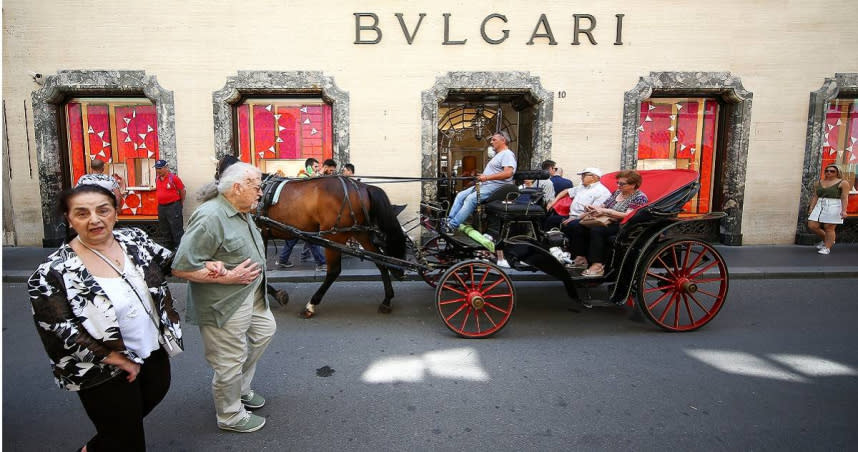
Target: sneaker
(445, 226)
(286, 264)
(820, 245)
(250, 423)
(824, 250)
(321, 268)
(503, 263)
(252, 400)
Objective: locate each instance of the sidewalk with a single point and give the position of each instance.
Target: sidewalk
(743, 262)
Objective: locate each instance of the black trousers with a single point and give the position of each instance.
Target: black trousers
(590, 242)
(171, 224)
(117, 407)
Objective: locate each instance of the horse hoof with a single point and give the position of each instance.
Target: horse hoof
(307, 314)
(282, 297)
(384, 309)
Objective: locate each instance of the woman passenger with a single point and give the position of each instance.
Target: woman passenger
(102, 338)
(589, 244)
(828, 207)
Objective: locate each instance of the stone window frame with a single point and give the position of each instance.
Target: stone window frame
(490, 83)
(841, 85)
(276, 84)
(737, 102)
(47, 119)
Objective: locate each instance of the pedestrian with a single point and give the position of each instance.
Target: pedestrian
(170, 192)
(828, 207)
(329, 167)
(498, 171)
(101, 303)
(223, 258)
(311, 169)
(99, 178)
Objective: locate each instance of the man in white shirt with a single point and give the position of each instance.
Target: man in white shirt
(589, 192)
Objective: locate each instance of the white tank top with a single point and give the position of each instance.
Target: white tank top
(137, 328)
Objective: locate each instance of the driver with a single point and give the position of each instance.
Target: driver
(499, 171)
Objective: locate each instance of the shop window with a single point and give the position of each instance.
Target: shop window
(278, 135)
(681, 133)
(124, 134)
(840, 143)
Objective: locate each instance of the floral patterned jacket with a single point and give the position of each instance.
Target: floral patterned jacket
(76, 320)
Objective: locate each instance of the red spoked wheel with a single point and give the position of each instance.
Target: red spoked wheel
(475, 299)
(435, 254)
(682, 285)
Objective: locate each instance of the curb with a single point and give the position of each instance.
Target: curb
(305, 276)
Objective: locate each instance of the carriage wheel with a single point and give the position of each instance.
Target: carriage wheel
(682, 285)
(475, 299)
(434, 251)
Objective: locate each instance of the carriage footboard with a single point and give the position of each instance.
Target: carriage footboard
(531, 252)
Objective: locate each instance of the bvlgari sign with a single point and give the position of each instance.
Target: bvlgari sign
(368, 30)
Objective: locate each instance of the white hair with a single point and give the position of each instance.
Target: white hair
(236, 174)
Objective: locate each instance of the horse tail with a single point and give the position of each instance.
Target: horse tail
(382, 215)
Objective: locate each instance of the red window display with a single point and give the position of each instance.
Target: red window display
(840, 143)
(681, 133)
(278, 135)
(124, 134)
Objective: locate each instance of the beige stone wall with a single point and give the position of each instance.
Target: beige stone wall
(781, 50)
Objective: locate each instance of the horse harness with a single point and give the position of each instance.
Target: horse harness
(273, 186)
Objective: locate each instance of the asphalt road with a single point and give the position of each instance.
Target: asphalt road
(776, 370)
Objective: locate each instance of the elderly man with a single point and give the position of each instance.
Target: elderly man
(223, 258)
(499, 171)
(589, 192)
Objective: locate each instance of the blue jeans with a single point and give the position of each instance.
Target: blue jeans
(316, 250)
(466, 203)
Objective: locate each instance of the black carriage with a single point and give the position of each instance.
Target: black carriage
(678, 282)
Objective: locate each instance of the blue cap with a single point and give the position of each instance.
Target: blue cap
(160, 163)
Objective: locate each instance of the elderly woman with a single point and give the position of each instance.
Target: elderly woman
(828, 207)
(589, 244)
(101, 304)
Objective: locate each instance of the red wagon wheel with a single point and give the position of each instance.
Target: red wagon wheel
(683, 285)
(475, 298)
(435, 253)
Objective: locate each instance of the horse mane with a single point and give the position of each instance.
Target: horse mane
(382, 214)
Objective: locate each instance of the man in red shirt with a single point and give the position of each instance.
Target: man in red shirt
(171, 196)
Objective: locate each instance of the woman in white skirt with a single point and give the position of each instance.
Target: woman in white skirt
(828, 207)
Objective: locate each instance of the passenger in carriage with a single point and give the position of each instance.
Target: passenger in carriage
(589, 244)
(589, 192)
(348, 170)
(499, 171)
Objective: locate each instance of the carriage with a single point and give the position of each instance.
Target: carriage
(677, 281)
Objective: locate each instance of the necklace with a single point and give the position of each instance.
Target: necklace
(109, 247)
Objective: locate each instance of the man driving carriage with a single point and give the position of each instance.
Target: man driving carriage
(499, 171)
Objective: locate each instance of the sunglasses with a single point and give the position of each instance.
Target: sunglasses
(830, 170)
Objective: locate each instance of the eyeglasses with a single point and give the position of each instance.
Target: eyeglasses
(622, 184)
(255, 187)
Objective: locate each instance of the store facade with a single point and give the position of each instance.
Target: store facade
(417, 91)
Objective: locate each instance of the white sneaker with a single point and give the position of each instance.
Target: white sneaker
(503, 263)
(820, 245)
(824, 250)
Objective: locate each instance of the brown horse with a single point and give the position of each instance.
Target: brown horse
(338, 208)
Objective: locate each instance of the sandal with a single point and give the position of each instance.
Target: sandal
(589, 273)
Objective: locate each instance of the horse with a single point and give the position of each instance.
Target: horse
(336, 208)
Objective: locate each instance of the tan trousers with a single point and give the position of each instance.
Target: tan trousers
(233, 350)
